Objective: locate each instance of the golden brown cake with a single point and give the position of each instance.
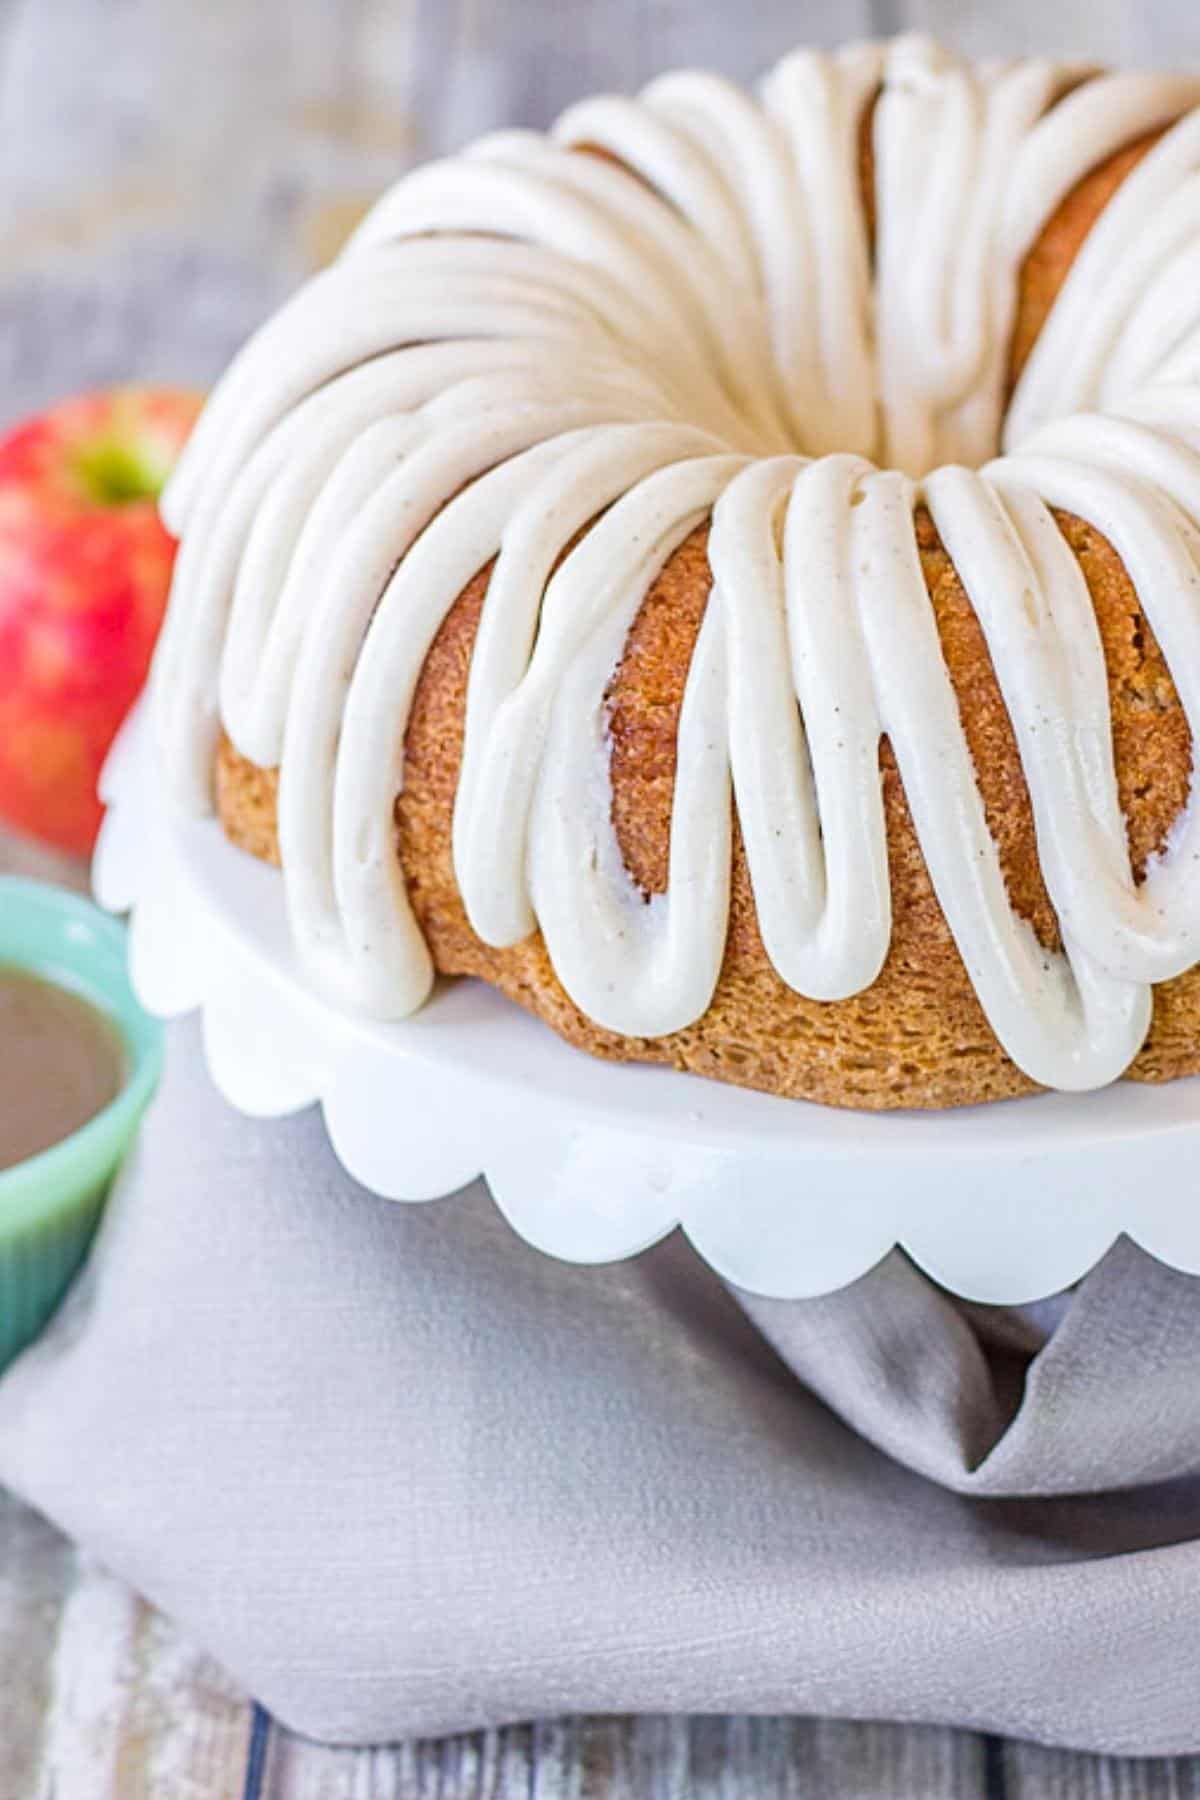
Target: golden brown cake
(917, 1033)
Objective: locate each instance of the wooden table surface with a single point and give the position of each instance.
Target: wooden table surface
(168, 170)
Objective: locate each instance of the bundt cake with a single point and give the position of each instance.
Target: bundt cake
(727, 572)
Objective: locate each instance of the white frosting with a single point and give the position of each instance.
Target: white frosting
(522, 342)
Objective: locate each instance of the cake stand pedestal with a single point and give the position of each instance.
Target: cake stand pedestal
(593, 1161)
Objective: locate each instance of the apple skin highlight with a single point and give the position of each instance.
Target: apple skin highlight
(85, 568)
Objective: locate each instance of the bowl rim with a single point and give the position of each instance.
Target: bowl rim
(97, 972)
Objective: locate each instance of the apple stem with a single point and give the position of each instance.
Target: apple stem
(112, 475)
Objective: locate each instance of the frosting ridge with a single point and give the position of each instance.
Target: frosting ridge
(562, 363)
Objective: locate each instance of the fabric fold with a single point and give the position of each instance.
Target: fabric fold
(403, 1474)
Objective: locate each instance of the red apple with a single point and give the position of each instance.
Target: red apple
(85, 564)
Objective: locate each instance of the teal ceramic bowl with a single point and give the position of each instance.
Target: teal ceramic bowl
(50, 1204)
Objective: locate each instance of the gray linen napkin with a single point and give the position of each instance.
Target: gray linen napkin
(403, 1474)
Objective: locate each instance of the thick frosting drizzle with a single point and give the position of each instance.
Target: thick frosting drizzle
(561, 364)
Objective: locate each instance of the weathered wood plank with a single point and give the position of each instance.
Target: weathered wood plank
(654, 1758)
(156, 314)
(133, 1712)
(1032, 1773)
(1112, 31)
(1103, 30)
(37, 1568)
(745, 42)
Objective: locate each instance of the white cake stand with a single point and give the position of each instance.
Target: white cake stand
(592, 1161)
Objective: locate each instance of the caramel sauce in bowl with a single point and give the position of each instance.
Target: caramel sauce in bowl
(79, 1062)
(63, 1062)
